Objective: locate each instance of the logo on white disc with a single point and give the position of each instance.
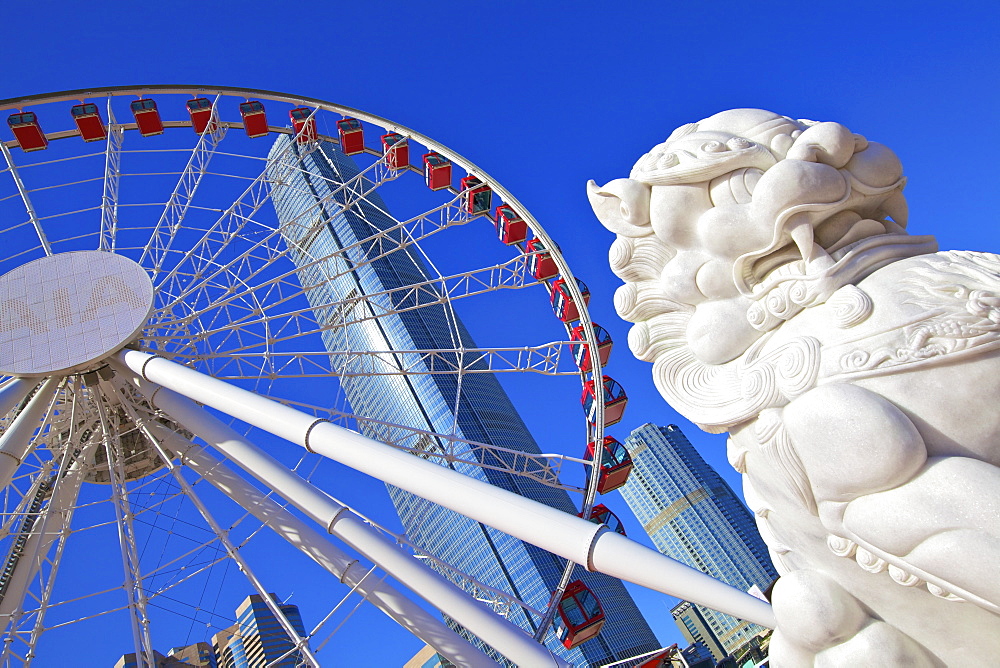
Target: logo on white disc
(66, 311)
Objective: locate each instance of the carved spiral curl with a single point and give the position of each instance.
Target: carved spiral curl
(851, 306)
(842, 547)
(869, 561)
(902, 577)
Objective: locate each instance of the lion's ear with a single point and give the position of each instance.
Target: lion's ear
(622, 206)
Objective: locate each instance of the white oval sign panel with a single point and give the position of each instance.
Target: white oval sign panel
(66, 311)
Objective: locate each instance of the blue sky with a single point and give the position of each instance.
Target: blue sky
(544, 96)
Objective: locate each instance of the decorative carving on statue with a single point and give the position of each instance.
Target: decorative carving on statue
(773, 285)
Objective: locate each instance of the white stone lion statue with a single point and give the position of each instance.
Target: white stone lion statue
(775, 290)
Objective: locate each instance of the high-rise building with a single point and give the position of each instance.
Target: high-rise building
(257, 639)
(692, 515)
(352, 282)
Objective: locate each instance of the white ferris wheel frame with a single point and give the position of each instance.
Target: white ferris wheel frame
(176, 390)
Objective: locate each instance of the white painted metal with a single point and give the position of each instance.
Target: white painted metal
(340, 522)
(23, 191)
(112, 179)
(13, 392)
(66, 311)
(306, 538)
(16, 442)
(568, 536)
(300, 643)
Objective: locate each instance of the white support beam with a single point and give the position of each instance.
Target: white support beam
(562, 534)
(345, 525)
(311, 542)
(12, 393)
(15, 443)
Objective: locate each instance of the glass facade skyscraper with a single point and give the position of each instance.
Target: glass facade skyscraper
(692, 515)
(258, 639)
(352, 282)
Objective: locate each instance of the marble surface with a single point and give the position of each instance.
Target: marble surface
(775, 290)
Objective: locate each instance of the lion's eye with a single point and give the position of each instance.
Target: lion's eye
(714, 147)
(737, 143)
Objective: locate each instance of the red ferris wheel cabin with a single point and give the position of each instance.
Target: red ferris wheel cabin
(476, 196)
(437, 171)
(581, 350)
(352, 136)
(616, 464)
(147, 117)
(562, 301)
(396, 149)
(540, 262)
(254, 118)
(200, 111)
(580, 615)
(88, 121)
(304, 124)
(614, 401)
(26, 130)
(511, 228)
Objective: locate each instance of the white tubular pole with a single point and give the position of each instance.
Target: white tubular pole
(16, 441)
(13, 392)
(507, 638)
(316, 546)
(42, 537)
(563, 534)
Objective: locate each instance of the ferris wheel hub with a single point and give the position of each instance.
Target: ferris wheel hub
(66, 312)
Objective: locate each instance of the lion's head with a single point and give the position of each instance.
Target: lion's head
(716, 223)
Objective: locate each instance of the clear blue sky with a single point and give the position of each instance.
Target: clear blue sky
(544, 96)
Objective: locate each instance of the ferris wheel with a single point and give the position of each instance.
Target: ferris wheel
(216, 306)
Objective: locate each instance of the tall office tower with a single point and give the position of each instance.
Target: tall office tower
(257, 639)
(692, 515)
(342, 253)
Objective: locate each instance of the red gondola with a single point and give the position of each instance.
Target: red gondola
(437, 171)
(581, 351)
(540, 262)
(88, 121)
(616, 464)
(511, 228)
(352, 136)
(476, 196)
(396, 149)
(200, 111)
(304, 123)
(601, 514)
(614, 401)
(26, 130)
(562, 302)
(580, 615)
(254, 118)
(147, 117)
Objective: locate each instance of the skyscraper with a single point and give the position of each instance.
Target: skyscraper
(692, 515)
(257, 639)
(343, 255)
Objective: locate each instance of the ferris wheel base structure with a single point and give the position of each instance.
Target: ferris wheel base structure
(573, 538)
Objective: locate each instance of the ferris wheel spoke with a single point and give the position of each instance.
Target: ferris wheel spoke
(25, 198)
(380, 245)
(314, 544)
(352, 530)
(202, 255)
(511, 275)
(546, 359)
(221, 534)
(165, 231)
(36, 539)
(131, 566)
(112, 181)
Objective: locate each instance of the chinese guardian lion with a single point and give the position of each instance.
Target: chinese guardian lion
(775, 289)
